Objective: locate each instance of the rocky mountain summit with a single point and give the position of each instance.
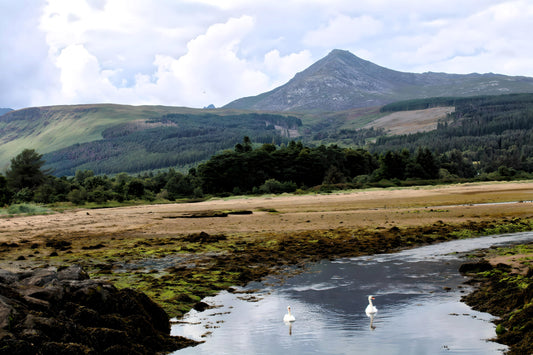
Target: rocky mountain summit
(343, 81)
(48, 311)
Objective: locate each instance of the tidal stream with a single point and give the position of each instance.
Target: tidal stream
(417, 295)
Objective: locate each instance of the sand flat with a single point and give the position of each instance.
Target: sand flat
(354, 209)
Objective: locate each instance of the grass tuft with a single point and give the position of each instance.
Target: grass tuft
(24, 208)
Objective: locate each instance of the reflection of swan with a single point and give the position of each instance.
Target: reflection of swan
(371, 315)
(288, 317)
(370, 309)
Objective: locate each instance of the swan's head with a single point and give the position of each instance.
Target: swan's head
(370, 298)
(289, 308)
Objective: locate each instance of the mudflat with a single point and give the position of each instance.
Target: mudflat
(400, 207)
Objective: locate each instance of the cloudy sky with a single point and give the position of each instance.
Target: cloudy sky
(200, 52)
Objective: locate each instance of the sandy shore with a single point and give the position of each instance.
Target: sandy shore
(356, 209)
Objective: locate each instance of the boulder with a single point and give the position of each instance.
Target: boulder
(472, 268)
(47, 311)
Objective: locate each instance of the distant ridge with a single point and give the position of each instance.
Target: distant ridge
(342, 81)
(4, 110)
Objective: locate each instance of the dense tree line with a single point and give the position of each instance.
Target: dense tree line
(492, 131)
(474, 102)
(267, 168)
(168, 140)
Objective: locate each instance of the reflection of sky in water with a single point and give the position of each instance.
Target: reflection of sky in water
(416, 315)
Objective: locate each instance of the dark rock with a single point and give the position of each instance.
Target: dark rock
(504, 267)
(8, 276)
(56, 348)
(46, 311)
(6, 313)
(39, 278)
(475, 267)
(58, 244)
(201, 306)
(204, 237)
(92, 247)
(74, 272)
(16, 346)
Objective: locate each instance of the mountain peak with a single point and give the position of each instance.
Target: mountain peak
(342, 81)
(343, 55)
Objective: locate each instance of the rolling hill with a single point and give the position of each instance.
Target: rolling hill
(342, 81)
(110, 138)
(46, 129)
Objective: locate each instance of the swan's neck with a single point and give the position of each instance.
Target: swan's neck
(370, 302)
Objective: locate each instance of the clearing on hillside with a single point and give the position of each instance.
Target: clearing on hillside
(403, 122)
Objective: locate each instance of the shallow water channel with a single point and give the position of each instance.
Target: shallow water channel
(417, 295)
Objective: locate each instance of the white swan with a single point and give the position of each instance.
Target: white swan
(370, 309)
(288, 317)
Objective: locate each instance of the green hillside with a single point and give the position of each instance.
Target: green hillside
(46, 129)
(110, 138)
(170, 140)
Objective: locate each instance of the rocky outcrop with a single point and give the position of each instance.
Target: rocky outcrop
(49, 311)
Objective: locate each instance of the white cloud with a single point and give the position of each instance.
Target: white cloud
(81, 76)
(495, 39)
(197, 52)
(287, 66)
(343, 30)
(211, 71)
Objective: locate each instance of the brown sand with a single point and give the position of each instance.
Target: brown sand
(355, 209)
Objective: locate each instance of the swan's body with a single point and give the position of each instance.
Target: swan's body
(371, 309)
(288, 317)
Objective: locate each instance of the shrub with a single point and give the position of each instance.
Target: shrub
(77, 196)
(24, 208)
(275, 187)
(23, 195)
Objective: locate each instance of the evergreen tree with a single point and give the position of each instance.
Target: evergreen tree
(25, 171)
(5, 195)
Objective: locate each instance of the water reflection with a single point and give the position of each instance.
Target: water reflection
(417, 292)
(289, 325)
(371, 316)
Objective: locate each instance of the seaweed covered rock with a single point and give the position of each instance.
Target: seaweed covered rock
(508, 296)
(47, 311)
(473, 268)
